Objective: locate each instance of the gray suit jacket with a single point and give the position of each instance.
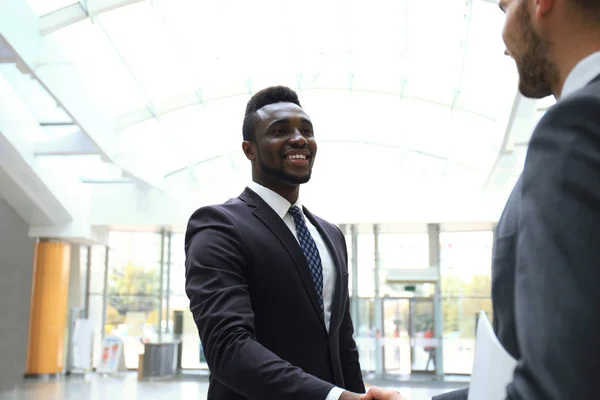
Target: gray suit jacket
(546, 258)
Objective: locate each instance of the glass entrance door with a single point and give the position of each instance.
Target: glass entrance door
(409, 344)
(422, 334)
(396, 337)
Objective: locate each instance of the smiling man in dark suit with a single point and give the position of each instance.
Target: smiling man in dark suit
(268, 280)
(546, 258)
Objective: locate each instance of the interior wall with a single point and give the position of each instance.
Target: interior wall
(16, 269)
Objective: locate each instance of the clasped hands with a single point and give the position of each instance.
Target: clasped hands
(375, 393)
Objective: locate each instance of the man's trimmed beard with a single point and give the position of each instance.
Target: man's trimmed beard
(537, 73)
(281, 174)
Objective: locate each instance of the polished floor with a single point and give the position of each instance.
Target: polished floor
(126, 386)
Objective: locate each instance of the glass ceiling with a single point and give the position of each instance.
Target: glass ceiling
(382, 80)
(42, 7)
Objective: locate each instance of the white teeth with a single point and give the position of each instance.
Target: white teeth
(297, 157)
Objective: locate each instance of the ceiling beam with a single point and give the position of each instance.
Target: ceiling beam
(20, 182)
(74, 13)
(19, 25)
(465, 49)
(7, 54)
(77, 143)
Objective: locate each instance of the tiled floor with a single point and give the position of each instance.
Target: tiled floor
(126, 386)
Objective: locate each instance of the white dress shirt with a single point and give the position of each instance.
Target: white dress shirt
(583, 73)
(281, 206)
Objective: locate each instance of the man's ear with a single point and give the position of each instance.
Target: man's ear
(249, 150)
(543, 6)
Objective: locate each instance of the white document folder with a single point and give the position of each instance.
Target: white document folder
(493, 367)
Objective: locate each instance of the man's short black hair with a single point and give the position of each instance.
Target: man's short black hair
(264, 97)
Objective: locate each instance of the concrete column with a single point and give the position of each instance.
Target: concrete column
(77, 279)
(354, 310)
(168, 292)
(75, 299)
(434, 262)
(105, 293)
(161, 275)
(88, 280)
(379, 359)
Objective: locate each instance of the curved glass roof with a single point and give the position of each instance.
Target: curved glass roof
(390, 85)
(43, 7)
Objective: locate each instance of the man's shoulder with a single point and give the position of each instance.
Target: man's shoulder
(216, 216)
(320, 220)
(575, 111)
(589, 94)
(231, 209)
(323, 221)
(331, 228)
(591, 89)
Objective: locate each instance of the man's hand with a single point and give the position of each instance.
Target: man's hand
(350, 396)
(376, 393)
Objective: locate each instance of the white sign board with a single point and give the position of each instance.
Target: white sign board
(111, 355)
(83, 338)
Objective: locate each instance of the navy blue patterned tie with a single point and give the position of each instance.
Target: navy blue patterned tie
(309, 248)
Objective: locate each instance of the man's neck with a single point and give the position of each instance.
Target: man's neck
(570, 52)
(288, 192)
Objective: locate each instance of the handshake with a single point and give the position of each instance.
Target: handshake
(375, 393)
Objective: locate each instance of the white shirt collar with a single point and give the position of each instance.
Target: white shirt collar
(583, 73)
(279, 204)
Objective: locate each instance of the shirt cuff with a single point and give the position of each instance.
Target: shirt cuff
(335, 393)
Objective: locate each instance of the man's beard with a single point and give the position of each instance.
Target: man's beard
(281, 174)
(537, 73)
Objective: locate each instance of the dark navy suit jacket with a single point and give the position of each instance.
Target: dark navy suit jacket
(257, 310)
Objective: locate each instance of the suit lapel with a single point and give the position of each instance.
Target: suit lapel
(280, 230)
(336, 304)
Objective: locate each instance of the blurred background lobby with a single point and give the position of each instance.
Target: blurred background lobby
(119, 118)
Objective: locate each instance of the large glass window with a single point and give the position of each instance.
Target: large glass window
(132, 312)
(366, 264)
(365, 332)
(128, 298)
(191, 358)
(466, 289)
(404, 250)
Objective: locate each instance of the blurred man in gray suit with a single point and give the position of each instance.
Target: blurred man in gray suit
(546, 258)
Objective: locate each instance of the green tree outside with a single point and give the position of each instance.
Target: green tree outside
(131, 288)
